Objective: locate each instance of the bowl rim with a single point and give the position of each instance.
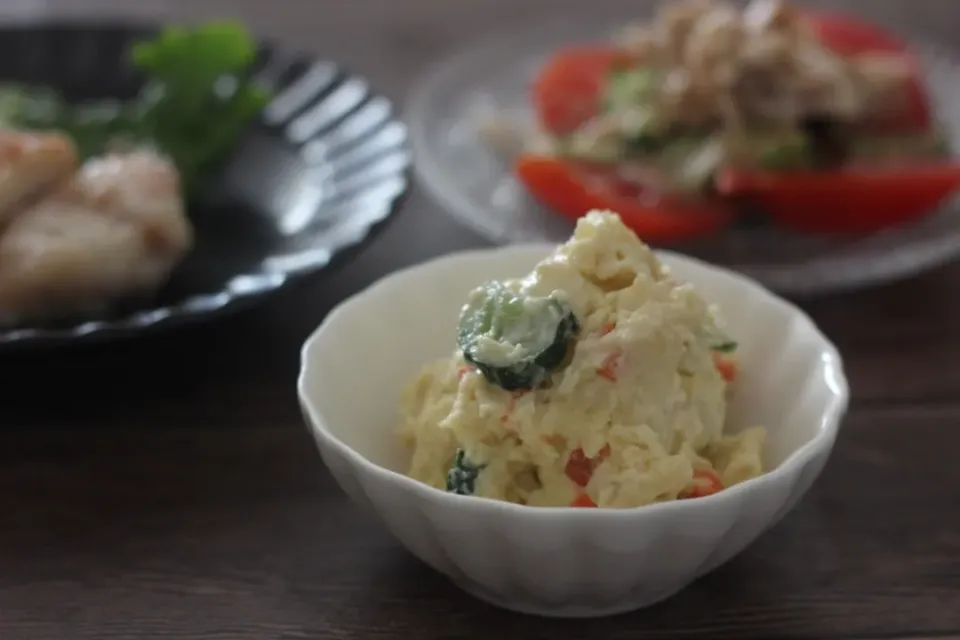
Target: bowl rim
(821, 444)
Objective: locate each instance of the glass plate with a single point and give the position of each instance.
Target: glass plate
(466, 177)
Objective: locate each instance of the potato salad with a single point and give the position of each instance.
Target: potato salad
(597, 380)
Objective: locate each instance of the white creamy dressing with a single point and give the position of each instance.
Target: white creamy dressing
(525, 337)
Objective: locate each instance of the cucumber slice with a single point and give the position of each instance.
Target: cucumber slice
(629, 87)
(516, 341)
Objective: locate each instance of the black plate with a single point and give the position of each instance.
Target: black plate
(320, 172)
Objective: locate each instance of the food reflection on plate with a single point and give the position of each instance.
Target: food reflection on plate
(93, 195)
(820, 121)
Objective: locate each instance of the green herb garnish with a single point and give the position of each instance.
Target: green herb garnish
(728, 346)
(198, 99)
(462, 476)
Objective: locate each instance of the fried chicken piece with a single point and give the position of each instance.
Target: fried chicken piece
(31, 163)
(116, 229)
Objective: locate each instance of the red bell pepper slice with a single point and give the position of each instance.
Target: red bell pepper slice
(572, 190)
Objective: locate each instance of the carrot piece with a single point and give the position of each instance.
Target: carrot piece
(706, 483)
(583, 500)
(511, 405)
(579, 467)
(726, 366)
(608, 369)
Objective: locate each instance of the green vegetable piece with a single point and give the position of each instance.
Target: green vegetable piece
(630, 87)
(198, 99)
(194, 58)
(95, 127)
(778, 150)
(29, 107)
(630, 93)
(718, 340)
(609, 139)
(728, 346)
(793, 151)
(516, 341)
(91, 126)
(583, 146)
(693, 162)
(643, 132)
(462, 476)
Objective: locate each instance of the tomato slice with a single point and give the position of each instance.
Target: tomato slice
(572, 190)
(850, 37)
(568, 90)
(846, 200)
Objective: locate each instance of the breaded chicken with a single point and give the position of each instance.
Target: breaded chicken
(116, 229)
(30, 163)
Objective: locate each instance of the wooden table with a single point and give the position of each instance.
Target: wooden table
(167, 489)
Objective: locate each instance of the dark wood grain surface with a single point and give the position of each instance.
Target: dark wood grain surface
(167, 489)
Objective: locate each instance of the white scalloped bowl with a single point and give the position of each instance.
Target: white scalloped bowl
(562, 561)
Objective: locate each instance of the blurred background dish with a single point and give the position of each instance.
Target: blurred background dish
(451, 107)
(315, 175)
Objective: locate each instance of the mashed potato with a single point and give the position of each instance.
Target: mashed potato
(632, 410)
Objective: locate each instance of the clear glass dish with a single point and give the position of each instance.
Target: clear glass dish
(456, 164)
